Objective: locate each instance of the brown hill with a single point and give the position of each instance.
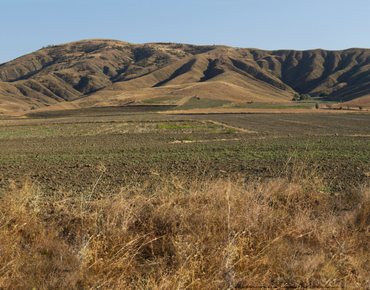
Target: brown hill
(108, 72)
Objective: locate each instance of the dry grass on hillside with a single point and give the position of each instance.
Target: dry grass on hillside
(176, 234)
(103, 72)
(363, 101)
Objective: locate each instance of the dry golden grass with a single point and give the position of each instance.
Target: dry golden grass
(178, 234)
(362, 101)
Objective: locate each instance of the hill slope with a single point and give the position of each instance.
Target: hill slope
(108, 72)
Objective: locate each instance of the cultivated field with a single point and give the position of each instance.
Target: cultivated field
(139, 200)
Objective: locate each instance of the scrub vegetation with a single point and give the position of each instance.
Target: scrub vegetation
(175, 233)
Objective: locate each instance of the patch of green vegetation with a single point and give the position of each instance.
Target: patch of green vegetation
(323, 95)
(301, 97)
(227, 131)
(3, 117)
(98, 111)
(188, 125)
(162, 100)
(161, 59)
(230, 131)
(192, 49)
(23, 133)
(97, 128)
(131, 71)
(177, 126)
(12, 134)
(178, 45)
(43, 130)
(144, 63)
(189, 138)
(90, 47)
(278, 150)
(120, 48)
(140, 53)
(201, 103)
(318, 100)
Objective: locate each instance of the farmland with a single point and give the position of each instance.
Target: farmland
(201, 191)
(52, 151)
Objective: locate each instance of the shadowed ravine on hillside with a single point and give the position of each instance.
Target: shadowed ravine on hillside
(183, 69)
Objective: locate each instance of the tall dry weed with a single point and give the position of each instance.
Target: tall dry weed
(173, 233)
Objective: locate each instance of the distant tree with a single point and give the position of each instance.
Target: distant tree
(322, 95)
(120, 48)
(317, 105)
(303, 97)
(295, 97)
(360, 107)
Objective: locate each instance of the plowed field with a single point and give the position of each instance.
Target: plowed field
(95, 154)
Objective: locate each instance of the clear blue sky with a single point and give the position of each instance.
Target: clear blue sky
(27, 25)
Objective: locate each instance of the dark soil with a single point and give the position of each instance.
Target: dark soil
(100, 111)
(76, 163)
(333, 150)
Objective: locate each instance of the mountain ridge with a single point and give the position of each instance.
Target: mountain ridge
(103, 72)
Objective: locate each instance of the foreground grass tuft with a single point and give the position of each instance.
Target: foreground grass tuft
(176, 234)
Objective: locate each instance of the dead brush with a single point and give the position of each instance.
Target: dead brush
(31, 252)
(302, 169)
(363, 212)
(176, 233)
